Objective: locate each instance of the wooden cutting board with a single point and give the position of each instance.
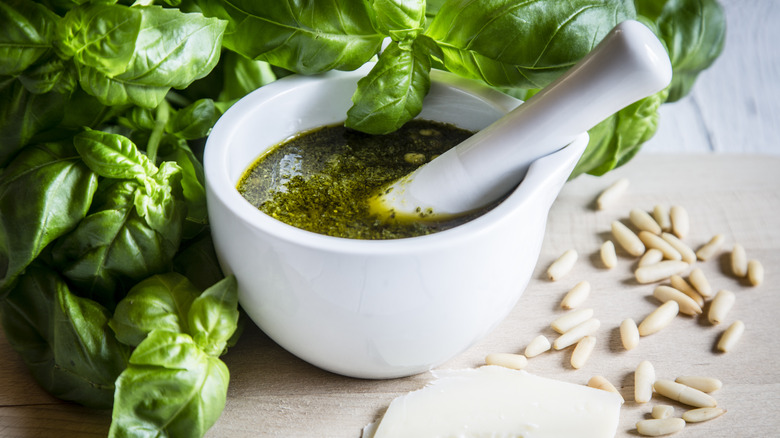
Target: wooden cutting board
(272, 393)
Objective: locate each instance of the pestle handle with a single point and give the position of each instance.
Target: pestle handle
(629, 64)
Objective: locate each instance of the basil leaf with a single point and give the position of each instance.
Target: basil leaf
(100, 36)
(28, 30)
(52, 74)
(159, 302)
(170, 388)
(112, 155)
(193, 121)
(114, 91)
(193, 183)
(306, 37)
(44, 193)
(64, 340)
(213, 316)
(401, 19)
(242, 76)
(522, 44)
(197, 260)
(393, 91)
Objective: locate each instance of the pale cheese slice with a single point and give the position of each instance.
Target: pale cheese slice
(497, 402)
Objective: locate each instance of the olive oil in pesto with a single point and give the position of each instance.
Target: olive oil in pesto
(320, 180)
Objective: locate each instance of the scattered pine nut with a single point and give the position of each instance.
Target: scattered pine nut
(656, 242)
(710, 248)
(539, 345)
(662, 411)
(608, 255)
(578, 332)
(684, 394)
(582, 351)
(731, 336)
(629, 334)
(627, 239)
(687, 253)
(599, 382)
(680, 221)
(612, 193)
(651, 257)
(643, 221)
(507, 360)
(686, 304)
(659, 427)
(703, 384)
(576, 296)
(659, 318)
(570, 320)
(660, 271)
(700, 282)
(683, 286)
(702, 414)
(562, 265)
(755, 272)
(720, 306)
(644, 376)
(738, 260)
(661, 215)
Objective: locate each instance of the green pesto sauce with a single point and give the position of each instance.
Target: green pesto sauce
(320, 180)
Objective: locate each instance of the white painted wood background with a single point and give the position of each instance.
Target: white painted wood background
(735, 105)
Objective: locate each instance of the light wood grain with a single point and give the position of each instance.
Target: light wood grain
(272, 393)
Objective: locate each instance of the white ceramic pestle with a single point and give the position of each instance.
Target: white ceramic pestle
(629, 64)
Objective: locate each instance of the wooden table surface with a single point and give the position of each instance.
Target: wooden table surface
(272, 393)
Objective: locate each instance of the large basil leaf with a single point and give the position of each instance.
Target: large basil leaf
(64, 340)
(617, 139)
(307, 37)
(522, 44)
(44, 193)
(159, 302)
(28, 30)
(112, 156)
(401, 19)
(100, 36)
(171, 388)
(393, 91)
(694, 32)
(213, 316)
(50, 73)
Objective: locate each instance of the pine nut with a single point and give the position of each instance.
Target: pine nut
(662, 411)
(703, 384)
(710, 248)
(507, 360)
(653, 241)
(539, 345)
(612, 193)
(702, 414)
(731, 336)
(608, 254)
(629, 334)
(720, 306)
(684, 394)
(755, 272)
(644, 376)
(659, 427)
(643, 221)
(562, 265)
(680, 221)
(570, 320)
(599, 382)
(738, 260)
(687, 253)
(627, 239)
(661, 215)
(576, 296)
(582, 351)
(659, 271)
(686, 304)
(700, 282)
(651, 257)
(680, 284)
(659, 318)
(576, 333)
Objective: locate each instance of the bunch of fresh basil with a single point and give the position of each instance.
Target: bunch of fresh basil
(104, 240)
